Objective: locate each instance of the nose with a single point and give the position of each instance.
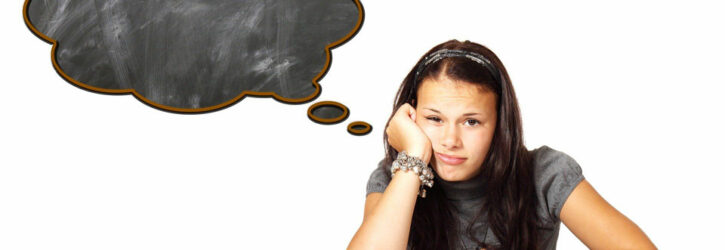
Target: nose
(450, 137)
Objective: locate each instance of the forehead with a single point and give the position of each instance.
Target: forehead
(445, 93)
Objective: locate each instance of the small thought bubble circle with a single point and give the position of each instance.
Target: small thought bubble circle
(359, 128)
(328, 112)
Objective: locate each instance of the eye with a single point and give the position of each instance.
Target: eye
(433, 118)
(472, 122)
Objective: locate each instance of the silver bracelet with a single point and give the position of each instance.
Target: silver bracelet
(405, 162)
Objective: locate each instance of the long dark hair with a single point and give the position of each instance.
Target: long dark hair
(510, 203)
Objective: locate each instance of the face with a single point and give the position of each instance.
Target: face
(459, 118)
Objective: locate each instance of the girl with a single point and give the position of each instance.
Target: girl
(457, 175)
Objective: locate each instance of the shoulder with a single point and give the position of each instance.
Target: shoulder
(379, 179)
(547, 161)
(556, 174)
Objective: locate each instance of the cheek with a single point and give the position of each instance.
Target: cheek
(429, 130)
(478, 142)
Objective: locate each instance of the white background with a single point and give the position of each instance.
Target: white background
(632, 90)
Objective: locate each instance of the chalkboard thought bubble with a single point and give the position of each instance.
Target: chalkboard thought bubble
(193, 56)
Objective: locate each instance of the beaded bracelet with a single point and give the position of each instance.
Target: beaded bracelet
(405, 162)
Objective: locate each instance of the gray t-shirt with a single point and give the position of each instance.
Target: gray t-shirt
(556, 174)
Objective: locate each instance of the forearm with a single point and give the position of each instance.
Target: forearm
(387, 225)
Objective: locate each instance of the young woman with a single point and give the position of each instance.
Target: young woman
(457, 175)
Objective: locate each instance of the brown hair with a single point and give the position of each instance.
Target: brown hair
(510, 204)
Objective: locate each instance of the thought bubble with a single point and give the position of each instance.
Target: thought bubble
(196, 56)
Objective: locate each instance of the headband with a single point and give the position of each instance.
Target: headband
(444, 53)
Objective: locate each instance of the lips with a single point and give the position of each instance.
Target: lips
(450, 160)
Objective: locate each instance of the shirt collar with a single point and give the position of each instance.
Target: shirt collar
(463, 190)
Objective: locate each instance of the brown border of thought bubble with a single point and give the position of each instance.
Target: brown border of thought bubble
(206, 109)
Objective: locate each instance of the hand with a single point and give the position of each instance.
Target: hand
(404, 134)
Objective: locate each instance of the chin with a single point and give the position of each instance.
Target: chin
(451, 173)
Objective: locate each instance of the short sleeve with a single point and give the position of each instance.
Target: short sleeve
(378, 179)
(556, 175)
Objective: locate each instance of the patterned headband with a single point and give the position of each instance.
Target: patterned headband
(444, 53)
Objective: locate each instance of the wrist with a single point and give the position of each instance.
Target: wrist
(424, 155)
(409, 176)
(405, 162)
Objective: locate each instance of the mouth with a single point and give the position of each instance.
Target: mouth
(450, 160)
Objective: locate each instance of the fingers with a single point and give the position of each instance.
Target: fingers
(408, 109)
(402, 128)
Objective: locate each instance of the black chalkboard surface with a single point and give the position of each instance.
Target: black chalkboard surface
(195, 55)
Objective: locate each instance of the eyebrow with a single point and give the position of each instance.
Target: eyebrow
(466, 114)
